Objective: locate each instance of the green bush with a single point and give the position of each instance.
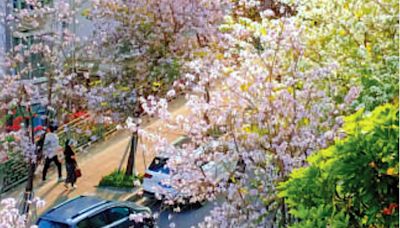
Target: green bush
(354, 183)
(118, 179)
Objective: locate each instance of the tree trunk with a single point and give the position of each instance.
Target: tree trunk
(283, 211)
(28, 194)
(130, 167)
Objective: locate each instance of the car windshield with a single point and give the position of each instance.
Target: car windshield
(50, 224)
(159, 165)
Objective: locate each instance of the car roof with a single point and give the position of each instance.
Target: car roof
(73, 208)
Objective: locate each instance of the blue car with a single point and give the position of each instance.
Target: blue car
(93, 212)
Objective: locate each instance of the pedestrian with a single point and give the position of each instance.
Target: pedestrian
(70, 165)
(50, 148)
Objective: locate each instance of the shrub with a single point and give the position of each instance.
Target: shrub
(354, 183)
(119, 179)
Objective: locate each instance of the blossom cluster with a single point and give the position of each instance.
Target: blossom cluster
(10, 216)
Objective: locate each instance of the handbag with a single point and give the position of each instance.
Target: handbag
(78, 172)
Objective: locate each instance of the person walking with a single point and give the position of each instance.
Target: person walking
(50, 148)
(70, 165)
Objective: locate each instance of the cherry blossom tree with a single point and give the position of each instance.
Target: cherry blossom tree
(10, 216)
(362, 38)
(259, 92)
(265, 83)
(276, 102)
(143, 46)
(44, 45)
(278, 88)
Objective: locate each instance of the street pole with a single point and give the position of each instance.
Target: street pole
(130, 168)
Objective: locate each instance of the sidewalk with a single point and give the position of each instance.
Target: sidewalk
(100, 160)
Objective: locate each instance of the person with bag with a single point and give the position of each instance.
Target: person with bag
(50, 148)
(70, 165)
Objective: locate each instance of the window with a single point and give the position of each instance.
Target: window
(117, 213)
(159, 165)
(21, 4)
(98, 220)
(35, 59)
(118, 217)
(105, 218)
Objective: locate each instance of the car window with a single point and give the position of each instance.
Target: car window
(98, 220)
(117, 213)
(158, 165)
(50, 224)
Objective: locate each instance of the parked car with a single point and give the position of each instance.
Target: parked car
(155, 175)
(93, 212)
(157, 172)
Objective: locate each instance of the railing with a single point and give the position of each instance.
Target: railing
(83, 131)
(14, 171)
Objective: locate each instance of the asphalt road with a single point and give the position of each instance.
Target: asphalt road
(188, 217)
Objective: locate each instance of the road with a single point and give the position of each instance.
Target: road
(186, 218)
(190, 216)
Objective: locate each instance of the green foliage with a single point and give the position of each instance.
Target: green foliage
(355, 181)
(162, 75)
(319, 216)
(170, 70)
(118, 179)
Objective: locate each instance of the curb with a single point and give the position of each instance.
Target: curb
(133, 196)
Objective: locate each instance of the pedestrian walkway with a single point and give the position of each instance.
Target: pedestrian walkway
(100, 160)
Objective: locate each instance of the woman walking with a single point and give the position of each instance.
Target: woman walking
(70, 164)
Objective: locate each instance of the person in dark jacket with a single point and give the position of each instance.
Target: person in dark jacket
(70, 164)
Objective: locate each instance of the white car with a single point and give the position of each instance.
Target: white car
(158, 172)
(155, 175)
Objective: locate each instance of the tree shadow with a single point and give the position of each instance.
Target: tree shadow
(62, 197)
(50, 189)
(110, 194)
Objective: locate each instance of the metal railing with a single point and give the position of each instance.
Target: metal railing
(83, 131)
(14, 171)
